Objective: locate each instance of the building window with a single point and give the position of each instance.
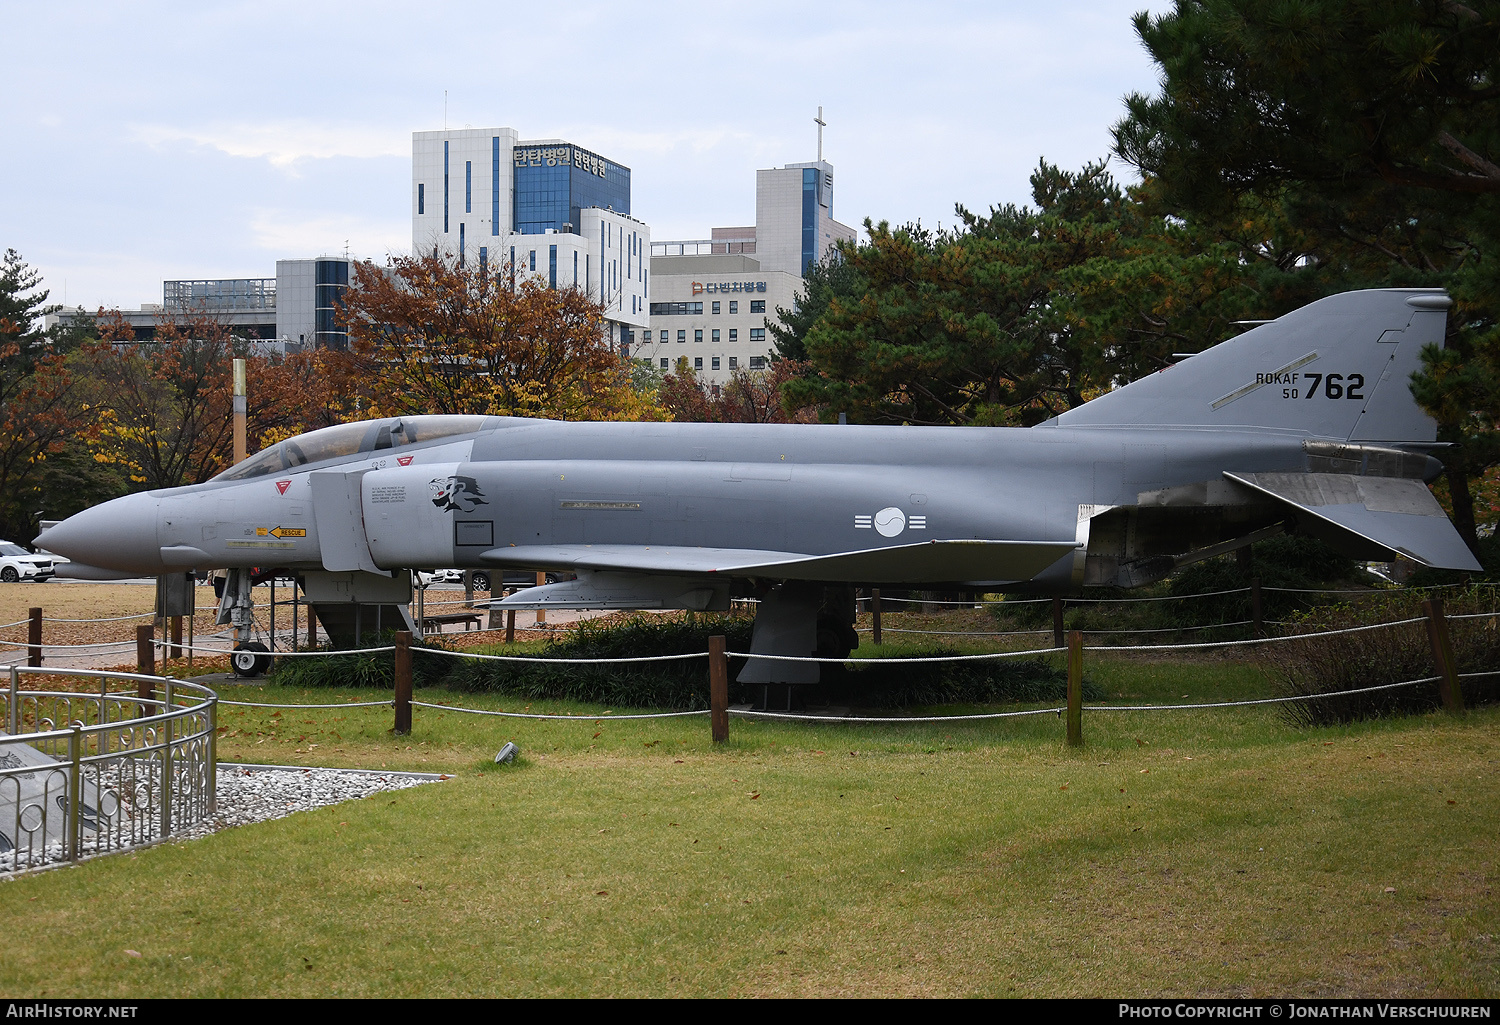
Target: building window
(495, 185)
(484, 260)
(698, 335)
(682, 336)
(757, 306)
(734, 362)
(445, 186)
(716, 336)
(715, 363)
(533, 259)
(734, 334)
(624, 350)
(552, 267)
(468, 186)
(575, 266)
(757, 334)
(697, 362)
(461, 253)
(629, 333)
(664, 362)
(716, 308)
(676, 309)
(421, 198)
(734, 306)
(757, 363)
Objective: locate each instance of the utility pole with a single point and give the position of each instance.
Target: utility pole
(239, 411)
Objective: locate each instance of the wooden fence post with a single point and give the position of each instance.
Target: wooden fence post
(875, 612)
(1057, 622)
(1442, 656)
(718, 688)
(1075, 688)
(145, 661)
(510, 626)
(1255, 609)
(403, 682)
(34, 637)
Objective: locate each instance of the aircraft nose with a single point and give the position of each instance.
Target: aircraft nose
(118, 535)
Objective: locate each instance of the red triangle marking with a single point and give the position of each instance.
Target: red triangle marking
(404, 460)
(282, 485)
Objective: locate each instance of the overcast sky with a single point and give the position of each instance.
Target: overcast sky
(150, 141)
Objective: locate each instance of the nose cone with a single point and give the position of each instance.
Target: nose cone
(118, 535)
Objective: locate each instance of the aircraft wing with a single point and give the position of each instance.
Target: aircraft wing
(925, 562)
(1395, 514)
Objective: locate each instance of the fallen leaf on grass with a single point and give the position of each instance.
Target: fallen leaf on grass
(601, 893)
(133, 953)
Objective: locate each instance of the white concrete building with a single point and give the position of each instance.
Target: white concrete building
(713, 298)
(545, 207)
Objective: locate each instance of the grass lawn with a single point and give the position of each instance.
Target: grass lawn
(1177, 853)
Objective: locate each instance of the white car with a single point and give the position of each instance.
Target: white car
(16, 564)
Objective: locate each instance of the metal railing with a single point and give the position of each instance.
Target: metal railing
(88, 772)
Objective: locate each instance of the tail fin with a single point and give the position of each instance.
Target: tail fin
(1337, 368)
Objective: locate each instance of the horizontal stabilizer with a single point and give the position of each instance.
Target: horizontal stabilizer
(925, 562)
(1395, 515)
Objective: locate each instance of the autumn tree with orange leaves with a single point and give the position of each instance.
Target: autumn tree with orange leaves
(164, 407)
(39, 406)
(749, 396)
(427, 336)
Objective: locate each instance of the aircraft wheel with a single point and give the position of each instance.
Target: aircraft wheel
(250, 659)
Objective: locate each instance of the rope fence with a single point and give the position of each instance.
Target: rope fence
(1447, 679)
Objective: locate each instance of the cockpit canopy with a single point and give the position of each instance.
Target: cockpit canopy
(345, 441)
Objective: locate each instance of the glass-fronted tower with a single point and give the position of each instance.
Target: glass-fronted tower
(554, 180)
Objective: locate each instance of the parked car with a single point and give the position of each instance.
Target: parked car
(16, 564)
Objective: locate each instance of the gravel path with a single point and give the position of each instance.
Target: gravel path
(253, 793)
(248, 793)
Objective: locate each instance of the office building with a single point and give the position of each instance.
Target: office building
(545, 207)
(292, 311)
(712, 299)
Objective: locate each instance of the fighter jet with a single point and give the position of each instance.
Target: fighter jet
(1302, 425)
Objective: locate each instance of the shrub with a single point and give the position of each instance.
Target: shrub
(375, 671)
(680, 684)
(684, 684)
(1295, 563)
(1374, 657)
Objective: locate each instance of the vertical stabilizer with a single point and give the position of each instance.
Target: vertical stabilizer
(1338, 368)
